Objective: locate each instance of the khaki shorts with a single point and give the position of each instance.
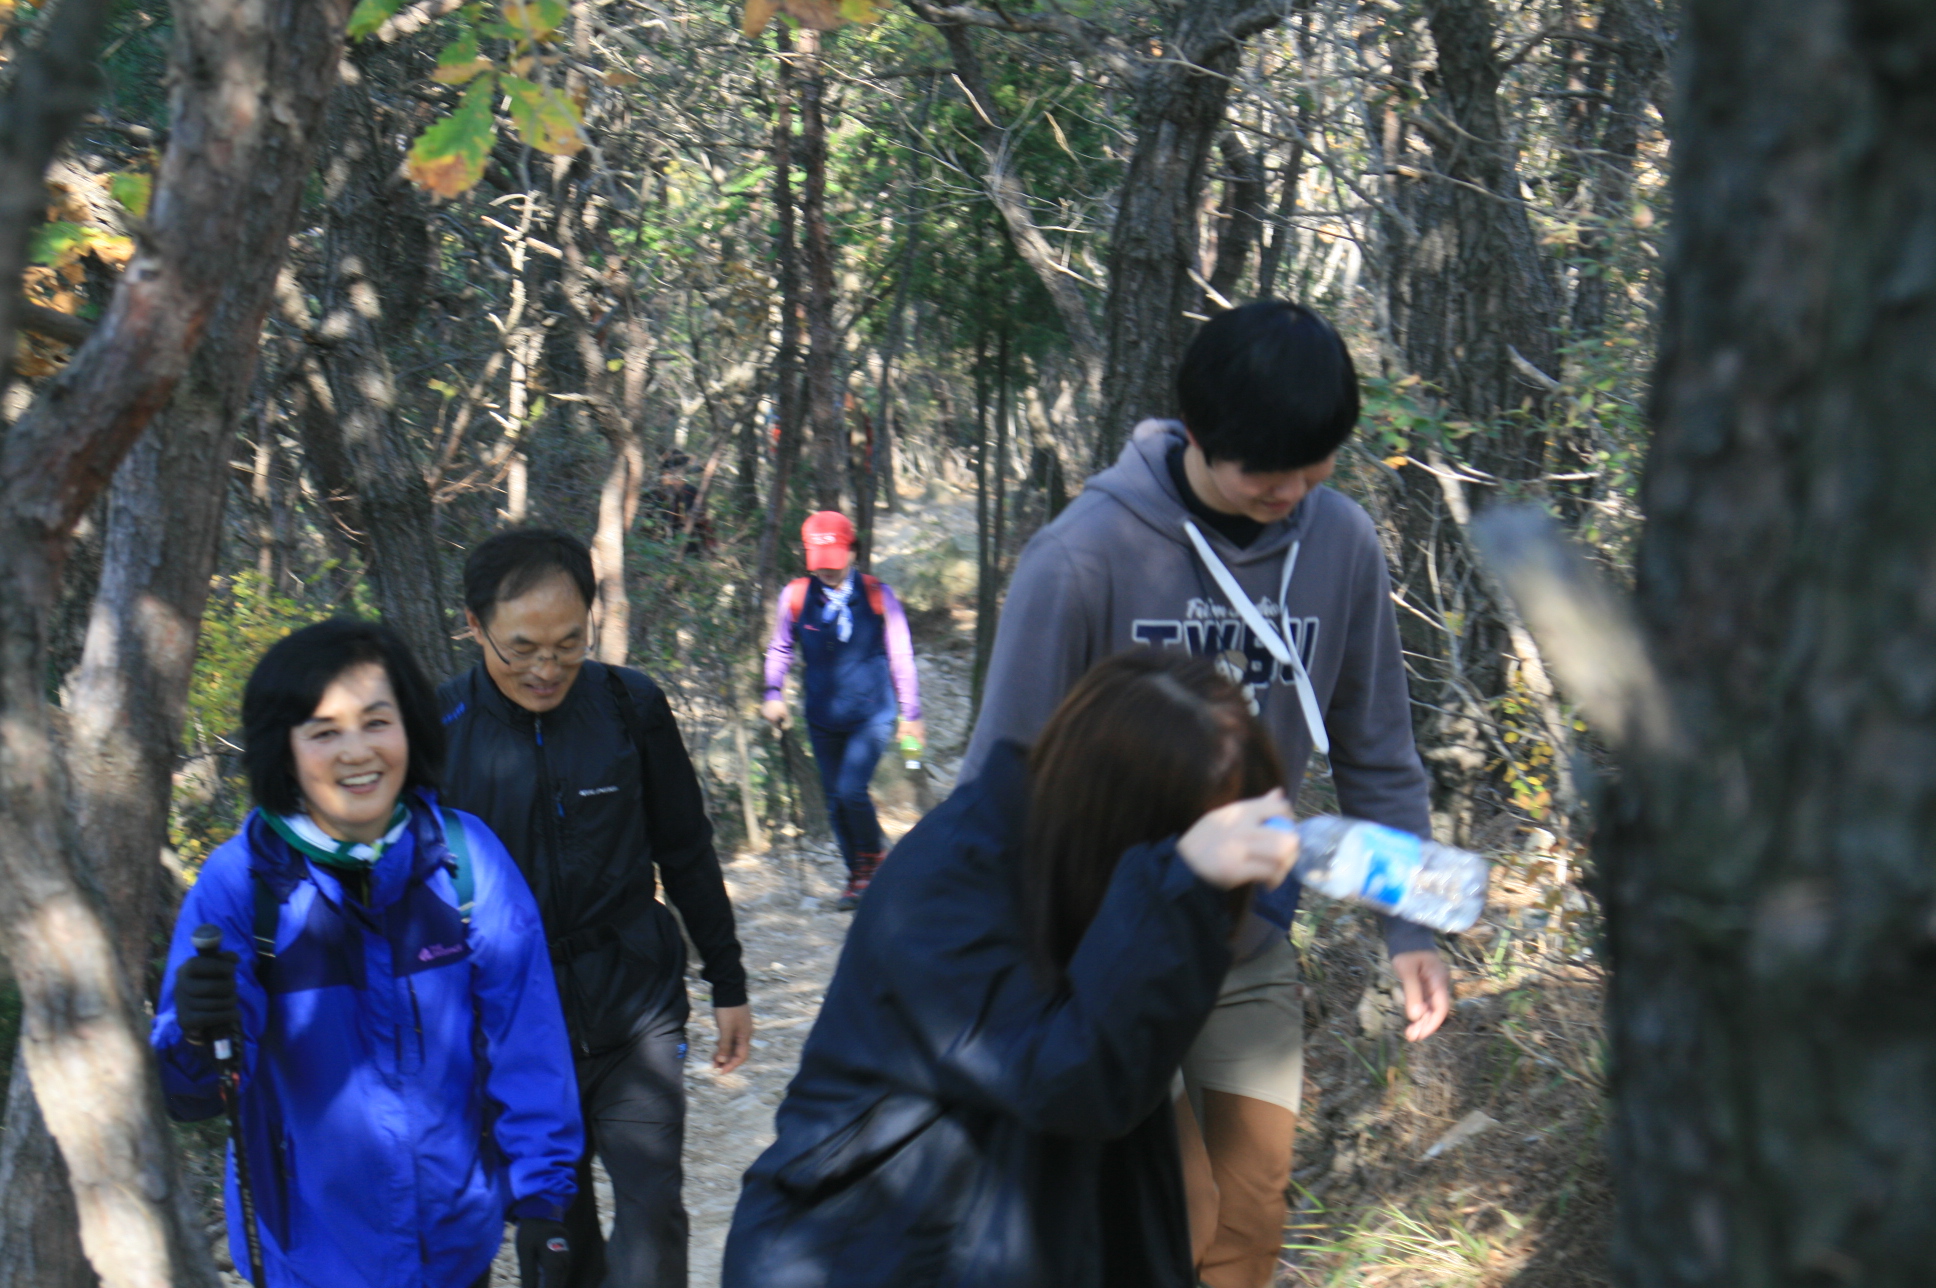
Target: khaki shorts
(1253, 1043)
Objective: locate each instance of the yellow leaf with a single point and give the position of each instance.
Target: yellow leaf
(820, 15)
(534, 20)
(522, 66)
(545, 117)
(115, 252)
(1396, 462)
(864, 12)
(448, 157)
(459, 61)
(758, 14)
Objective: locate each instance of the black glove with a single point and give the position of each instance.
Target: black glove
(205, 997)
(544, 1254)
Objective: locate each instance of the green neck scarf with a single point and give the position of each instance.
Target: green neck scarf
(341, 856)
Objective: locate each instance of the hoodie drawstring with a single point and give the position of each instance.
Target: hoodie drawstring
(1273, 639)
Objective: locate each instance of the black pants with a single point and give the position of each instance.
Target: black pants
(634, 1102)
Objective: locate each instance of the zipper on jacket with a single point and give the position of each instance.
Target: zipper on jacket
(416, 1018)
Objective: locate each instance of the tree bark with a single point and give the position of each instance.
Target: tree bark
(1637, 28)
(1768, 885)
(1011, 202)
(250, 84)
(823, 395)
(372, 242)
(1472, 303)
(54, 83)
(1154, 280)
(1240, 218)
(786, 361)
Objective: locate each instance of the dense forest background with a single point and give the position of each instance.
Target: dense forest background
(673, 276)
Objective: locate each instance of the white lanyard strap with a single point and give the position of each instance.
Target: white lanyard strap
(1273, 640)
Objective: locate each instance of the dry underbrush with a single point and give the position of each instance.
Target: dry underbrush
(1523, 1202)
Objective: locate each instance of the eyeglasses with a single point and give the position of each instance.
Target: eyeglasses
(565, 657)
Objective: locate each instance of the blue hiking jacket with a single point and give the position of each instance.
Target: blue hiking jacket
(407, 1084)
(958, 1123)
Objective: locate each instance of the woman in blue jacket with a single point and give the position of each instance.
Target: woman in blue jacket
(406, 1082)
(984, 1101)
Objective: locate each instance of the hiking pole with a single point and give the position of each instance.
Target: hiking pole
(208, 942)
(796, 811)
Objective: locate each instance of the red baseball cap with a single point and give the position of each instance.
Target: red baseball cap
(829, 538)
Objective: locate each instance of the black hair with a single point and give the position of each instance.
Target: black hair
(513, 562)
(1270, 386)
(288, 682)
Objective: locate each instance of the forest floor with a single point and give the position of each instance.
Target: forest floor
(1474, 1158)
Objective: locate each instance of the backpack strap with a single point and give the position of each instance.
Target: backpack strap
(628, 712)
(793, 600)
(875, 600)
(268, 915)
(465, 877)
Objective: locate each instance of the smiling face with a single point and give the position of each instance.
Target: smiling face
(352, 755)
(1266, 497)
(535, 644)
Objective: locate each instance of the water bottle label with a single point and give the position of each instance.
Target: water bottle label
(1392, 859)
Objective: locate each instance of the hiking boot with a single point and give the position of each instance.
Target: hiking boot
(865, 865)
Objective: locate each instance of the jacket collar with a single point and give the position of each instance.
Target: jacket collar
(281, 867)
(486, 696)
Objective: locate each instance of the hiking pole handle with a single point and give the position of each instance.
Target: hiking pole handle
(208, 942)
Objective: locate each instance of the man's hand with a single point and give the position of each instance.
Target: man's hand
(1428, 991)
(917, 730)
(735, 1037)
(774, 711)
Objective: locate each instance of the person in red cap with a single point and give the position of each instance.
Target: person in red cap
(852, 635)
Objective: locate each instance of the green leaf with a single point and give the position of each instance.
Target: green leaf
(534, 20)
(56, 243)
(458, 61)
(133, 190)
(547, 119)
(448, 157)
(371, 14)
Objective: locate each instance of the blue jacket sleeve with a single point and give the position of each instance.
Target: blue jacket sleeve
(531, 1078)
(223, 897)
(1091, 1059)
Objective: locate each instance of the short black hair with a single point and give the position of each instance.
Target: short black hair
(511, 563)
(288, 682)
(1270, 386)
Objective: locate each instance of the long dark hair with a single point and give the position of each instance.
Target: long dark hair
(1142, 747)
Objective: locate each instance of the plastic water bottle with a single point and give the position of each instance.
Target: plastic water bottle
(911, 751)
(1383, 868)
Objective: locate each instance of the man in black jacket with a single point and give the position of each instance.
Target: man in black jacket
(580, 770)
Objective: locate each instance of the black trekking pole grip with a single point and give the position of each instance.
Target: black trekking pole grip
(208, 942)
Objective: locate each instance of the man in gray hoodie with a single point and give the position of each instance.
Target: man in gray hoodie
(1216, 535)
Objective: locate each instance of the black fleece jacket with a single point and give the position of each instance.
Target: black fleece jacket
(588, 825)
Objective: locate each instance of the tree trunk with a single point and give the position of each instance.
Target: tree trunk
(787, 361)
(1474, 308)
(1240, 218)
(823, 395)
(1636, 27)
(372, 250)
(128, 699)
(1768, 883)
(1154, 279)
(1011, 202)
(53, 84)
(250, 84)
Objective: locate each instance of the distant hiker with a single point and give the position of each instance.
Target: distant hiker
(1217, 537)
(406, 1079)
(580, 768)
(852, 634)
(984, 1101)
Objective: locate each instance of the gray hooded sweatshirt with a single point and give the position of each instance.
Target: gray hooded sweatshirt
(1118, 570)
